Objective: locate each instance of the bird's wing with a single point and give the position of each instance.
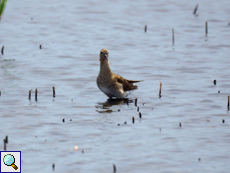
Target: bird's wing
(127, 84)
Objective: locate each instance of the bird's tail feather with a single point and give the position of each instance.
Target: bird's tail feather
(134, 81)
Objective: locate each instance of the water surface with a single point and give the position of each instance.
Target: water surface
(71, 34)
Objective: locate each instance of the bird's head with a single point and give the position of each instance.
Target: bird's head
(104, 55)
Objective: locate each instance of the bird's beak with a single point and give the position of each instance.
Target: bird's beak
(106, 57)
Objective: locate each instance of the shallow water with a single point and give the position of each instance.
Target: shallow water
(71, 34)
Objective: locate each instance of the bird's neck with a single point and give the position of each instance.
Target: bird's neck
(105, 70)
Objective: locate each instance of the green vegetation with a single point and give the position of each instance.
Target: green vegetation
(2, 7)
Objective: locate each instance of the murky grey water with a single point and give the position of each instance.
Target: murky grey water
(71, 34)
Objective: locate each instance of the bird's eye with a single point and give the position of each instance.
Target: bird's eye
(101, 52)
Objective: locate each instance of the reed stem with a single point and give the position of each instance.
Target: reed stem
(54, 91)
(160, 90)
(195, 10)
(36, 94)
(145, 28)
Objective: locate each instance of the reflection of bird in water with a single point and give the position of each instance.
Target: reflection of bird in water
(111, 84)
(105, 106)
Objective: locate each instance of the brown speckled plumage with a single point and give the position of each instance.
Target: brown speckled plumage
(111, 84)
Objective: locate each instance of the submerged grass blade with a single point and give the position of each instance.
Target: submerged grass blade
(2, 7)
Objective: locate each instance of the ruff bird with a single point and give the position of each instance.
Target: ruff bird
(111, 84)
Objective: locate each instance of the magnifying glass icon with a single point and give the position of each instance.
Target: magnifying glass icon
(9, 160)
